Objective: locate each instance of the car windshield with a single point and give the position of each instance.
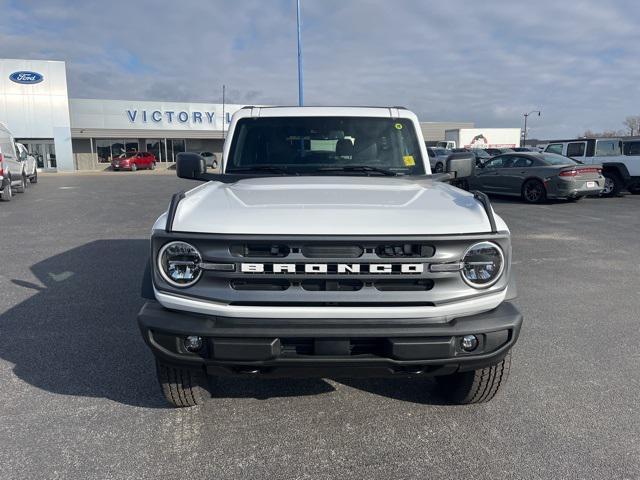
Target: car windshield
(127, 155)
(480, 153)
(326, 145)
(555, 159)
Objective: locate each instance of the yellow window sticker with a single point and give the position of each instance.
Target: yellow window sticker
(399, 126)
(409, 161)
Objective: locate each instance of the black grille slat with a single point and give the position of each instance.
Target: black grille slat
(405, 250)
(332, 251)
(254, 250)
(261, 285)
(403, 285)
(332, 285)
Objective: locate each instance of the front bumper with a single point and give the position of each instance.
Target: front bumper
(330, 346)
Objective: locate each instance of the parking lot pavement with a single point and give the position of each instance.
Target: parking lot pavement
(79, 398)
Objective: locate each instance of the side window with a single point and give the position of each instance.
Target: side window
(554, 148)
(607, 148)
(508, 161)
(6, 150)
(522, 162)
(576, 149)
(632, 148)
(495, 163)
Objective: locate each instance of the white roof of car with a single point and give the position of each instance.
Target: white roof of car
(382, 112)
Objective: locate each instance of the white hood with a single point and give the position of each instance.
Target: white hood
(338, 205)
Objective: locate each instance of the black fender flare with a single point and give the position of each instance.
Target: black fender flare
(146, 289)
(618, 167)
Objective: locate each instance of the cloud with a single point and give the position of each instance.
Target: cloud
(486, 62)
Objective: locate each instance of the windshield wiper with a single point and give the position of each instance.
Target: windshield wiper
(358, 168)
(258, 168)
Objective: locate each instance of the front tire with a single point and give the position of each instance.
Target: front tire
(533, 191)
(34, 177)
(182, 387)
(153, 165)
(612, 184)
(476, 386)
(134, 167)
(439, 168)
(7, 193)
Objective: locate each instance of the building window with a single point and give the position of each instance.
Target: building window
(108, 148)
(174, 147)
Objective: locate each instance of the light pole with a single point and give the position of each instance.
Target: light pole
(300, 78)
(224, 119)
(524, 136)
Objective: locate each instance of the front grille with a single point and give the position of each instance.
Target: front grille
(401, 276)
(387, 250)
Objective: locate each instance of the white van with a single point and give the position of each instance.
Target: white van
(12, 171)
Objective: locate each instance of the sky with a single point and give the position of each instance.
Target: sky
(486, 61)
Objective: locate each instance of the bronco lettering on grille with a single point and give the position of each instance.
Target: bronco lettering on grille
(331, 268)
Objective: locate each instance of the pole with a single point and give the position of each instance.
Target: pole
(524, 137)
(224, 118)
(300, 78)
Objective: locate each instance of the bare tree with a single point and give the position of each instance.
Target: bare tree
(633, 124)
(604, 134)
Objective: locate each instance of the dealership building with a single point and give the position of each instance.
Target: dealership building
(69, 134)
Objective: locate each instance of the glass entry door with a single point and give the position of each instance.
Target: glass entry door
(174, 147)
(44, 152)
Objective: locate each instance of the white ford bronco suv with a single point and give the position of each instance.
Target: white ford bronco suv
(325, 247)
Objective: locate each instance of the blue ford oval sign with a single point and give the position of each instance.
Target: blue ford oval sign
(26, 77)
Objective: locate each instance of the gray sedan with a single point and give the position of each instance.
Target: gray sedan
(537, 176)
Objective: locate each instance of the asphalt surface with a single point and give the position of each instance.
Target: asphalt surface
(79, 398)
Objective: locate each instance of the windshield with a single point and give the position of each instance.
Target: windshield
(555, 159)
(299, 145)
(480, 153)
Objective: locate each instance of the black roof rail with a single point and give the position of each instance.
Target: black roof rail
(484, 200)
(173, 206)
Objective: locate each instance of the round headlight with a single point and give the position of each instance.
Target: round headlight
(483, 264)
(179, 264)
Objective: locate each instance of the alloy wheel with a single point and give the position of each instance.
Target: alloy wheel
(609, 185)
(533, 192)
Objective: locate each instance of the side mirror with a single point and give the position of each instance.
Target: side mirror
(190, 165)
(461, 165)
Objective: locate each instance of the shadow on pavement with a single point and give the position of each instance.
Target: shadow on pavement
(78, 333)
(422, 391)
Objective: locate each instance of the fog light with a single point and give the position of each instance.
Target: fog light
(193, 343)
(469, 343)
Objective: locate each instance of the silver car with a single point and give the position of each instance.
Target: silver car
(536, 177)
(438, 158)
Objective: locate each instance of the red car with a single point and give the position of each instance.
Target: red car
(133, 161)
